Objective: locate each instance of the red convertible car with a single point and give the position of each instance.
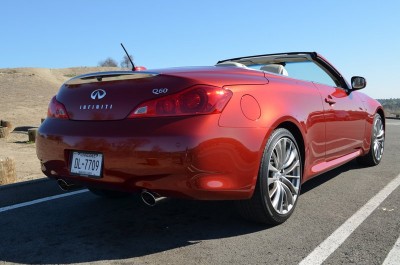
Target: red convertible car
(250, 129)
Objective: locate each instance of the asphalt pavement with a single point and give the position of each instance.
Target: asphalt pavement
(334, 223)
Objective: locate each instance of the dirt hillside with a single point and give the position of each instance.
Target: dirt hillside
(24, 97)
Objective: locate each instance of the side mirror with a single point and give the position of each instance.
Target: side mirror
(358, 82)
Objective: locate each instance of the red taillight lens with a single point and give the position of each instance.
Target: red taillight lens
(140, 68)
(196, 100)
(56, 110)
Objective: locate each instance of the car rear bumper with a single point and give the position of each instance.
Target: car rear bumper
(189, 157)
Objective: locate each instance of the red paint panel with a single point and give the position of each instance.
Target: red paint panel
(171, 156)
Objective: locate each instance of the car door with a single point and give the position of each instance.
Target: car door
(343, 111)
(344, 121)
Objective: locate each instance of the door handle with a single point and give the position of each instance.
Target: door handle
(329, 100)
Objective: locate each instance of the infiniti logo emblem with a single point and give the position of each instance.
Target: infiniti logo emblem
(98, 94)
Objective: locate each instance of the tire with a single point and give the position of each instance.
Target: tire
(109, 193)
(279, 181)
(375, 153)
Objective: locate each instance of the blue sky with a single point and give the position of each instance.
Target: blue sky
(358, 37)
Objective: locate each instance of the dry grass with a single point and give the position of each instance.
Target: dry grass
(7, 171)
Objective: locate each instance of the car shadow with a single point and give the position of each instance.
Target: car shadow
(86, 228)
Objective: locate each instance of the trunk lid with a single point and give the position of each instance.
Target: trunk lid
(114, 95)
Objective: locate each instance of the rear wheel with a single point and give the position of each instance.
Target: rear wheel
(278, 184)
(109, 193)
(374, 156)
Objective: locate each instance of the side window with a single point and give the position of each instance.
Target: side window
(309, 71)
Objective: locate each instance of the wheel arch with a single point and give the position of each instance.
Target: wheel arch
(368, 128)
(382, 114)
(256, 208)
(369, 157)
(297, 134)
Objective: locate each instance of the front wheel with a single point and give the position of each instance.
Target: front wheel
(374, 156)
(279, 180)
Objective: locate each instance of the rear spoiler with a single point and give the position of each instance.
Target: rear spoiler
(108, 76)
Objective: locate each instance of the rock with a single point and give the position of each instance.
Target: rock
(6, 124)
(4, 132)
(32, 134)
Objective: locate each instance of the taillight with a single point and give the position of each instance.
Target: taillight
(56, 110)
(140, 68)
(196, 100)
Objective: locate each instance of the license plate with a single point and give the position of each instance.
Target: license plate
(86, 164)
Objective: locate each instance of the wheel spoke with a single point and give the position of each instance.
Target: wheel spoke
(290, 185)
(292, 177)
(281, 200)
(288, 154)
(292, 167)
(275, 159)
(272, 168)
(380, 134)
(273, 190)
(272, 179)
(284, 175)
(380, 149)
(289, 196)
(279, 155)
(277, 196)
(290, 158)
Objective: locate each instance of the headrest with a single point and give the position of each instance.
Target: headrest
(234, 64)
(275, 68)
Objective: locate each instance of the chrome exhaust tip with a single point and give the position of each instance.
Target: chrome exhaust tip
(151, 198)
(65, 186)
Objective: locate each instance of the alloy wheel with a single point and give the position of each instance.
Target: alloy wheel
(379, 138)
(284, 172)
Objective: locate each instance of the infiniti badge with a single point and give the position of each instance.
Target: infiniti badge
(98, 94)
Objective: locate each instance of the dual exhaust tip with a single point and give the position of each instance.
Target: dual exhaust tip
(149, 198)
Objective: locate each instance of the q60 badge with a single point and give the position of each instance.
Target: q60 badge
(158, 91)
